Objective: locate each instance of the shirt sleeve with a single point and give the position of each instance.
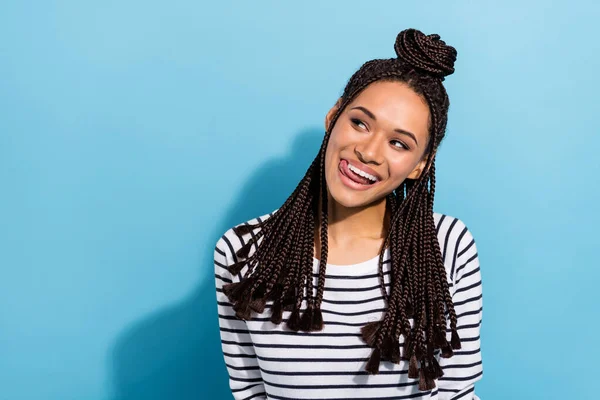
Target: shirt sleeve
(245, 378)
(464, 368)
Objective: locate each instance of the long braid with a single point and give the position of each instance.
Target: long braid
(324, 241)
(281, 267)
(455, 339)
(390, 206)
(298, 270)
(378, 334)
(416, 287)
(434, 258)
(423, 287)
(297, 232)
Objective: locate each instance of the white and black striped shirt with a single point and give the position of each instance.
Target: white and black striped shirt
(267, 361)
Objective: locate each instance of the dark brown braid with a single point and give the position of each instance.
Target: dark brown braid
(419, 303)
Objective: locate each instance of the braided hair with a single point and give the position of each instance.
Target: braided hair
(280, 269)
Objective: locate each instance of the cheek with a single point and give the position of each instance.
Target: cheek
(334, 145)
(400, 168)
(337, 139)
(330, 153)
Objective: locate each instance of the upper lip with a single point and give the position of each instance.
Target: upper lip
(364, 168)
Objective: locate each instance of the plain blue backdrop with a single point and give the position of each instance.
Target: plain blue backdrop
(134, 133)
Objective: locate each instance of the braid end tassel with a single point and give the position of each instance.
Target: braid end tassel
(374, 361)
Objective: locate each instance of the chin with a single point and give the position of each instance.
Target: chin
(348, 203)
(349, 200)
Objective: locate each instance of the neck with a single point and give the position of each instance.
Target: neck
(349, 226)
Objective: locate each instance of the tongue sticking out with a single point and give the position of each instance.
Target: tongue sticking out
(358, 178)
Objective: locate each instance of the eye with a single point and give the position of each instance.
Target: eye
(357, 121)
(402, 145)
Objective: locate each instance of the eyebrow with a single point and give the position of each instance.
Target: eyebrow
(372, 116)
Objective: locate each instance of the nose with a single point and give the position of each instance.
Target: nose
(370, 150)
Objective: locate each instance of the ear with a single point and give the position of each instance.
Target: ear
(418, 170)
(331, 113)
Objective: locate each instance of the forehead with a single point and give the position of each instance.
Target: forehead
(395, 105)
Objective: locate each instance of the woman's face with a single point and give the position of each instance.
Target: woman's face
(382, 132)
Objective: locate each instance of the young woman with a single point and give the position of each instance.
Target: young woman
(355, 288)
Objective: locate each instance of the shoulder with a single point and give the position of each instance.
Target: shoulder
(451, 230)
(229, 242)
(457, 243)
(226, 248)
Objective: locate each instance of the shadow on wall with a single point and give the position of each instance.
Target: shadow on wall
(175, 353)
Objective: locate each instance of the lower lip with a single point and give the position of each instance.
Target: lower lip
(344, 171)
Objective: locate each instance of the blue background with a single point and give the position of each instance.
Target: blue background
(133, 134)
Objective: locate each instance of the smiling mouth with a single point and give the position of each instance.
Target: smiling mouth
(354, 180)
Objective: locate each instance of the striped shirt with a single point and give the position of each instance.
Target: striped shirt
(267, 361)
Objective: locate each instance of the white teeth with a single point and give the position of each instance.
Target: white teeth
(361, 173)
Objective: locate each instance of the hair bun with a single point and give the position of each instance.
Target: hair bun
(427, 53)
